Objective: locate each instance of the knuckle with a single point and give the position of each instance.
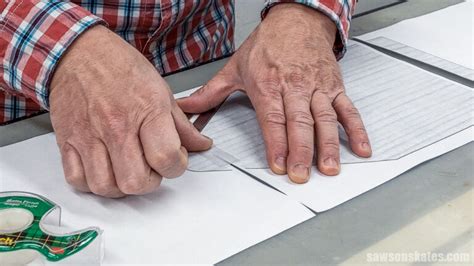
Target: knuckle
(300, 118)
(151, 119)
(358, 131)
(268, 88)
(201, 93)
(101, 188)
(296, 77)
(133, 186)
(112, 117)
(149, 110)
(82, 141)
(352, 112)
(274, 118)
(329, 78)
(75, 180)
(165, 160)
(278, 147)
(304, 150)
(330, 145)
(326, 115)
(297, 73)
(298, 94)
(65, 147)
(268, 83)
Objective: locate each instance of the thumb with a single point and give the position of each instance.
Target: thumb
(213, 93)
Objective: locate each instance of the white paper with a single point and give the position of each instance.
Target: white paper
(443, 38)
(404, 109)
(199, 218)
(423, 57)
(322, 193)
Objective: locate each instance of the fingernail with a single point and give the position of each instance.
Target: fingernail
(207, 137)
(280, 163)
(365, 146)
(330, 163)
(301, 172)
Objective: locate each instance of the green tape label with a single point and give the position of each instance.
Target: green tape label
(53, 247)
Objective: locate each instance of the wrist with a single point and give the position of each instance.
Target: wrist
(299, 15)
(83, 51)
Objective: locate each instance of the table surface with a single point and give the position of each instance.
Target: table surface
(427, 209)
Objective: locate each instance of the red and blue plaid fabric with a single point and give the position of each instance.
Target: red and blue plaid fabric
(172, 34)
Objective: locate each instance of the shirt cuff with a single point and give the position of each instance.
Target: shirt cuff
(34, 34)
(340, 12)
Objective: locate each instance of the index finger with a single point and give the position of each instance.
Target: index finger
(162, 145)
(272, 120)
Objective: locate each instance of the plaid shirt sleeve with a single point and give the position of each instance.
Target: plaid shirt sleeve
(34, 34)
(339, 11)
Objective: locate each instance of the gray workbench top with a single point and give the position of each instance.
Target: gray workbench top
(428, 208)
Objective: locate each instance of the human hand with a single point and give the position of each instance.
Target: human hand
(289, 72)
(117, 125)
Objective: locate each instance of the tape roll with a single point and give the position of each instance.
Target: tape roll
(15, 220)
(25, 235)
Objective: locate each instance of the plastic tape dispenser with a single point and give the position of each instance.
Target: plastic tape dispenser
(27, 225)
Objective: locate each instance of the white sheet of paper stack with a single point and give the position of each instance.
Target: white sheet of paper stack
(443, 38)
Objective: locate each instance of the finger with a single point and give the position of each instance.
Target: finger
(213, 93)
(73, 169)
(132, 172)
(162, 146)
(349, 117)
(98, 169)
(327, 138)
(189, 136)
(272, 120)
(300, 130)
